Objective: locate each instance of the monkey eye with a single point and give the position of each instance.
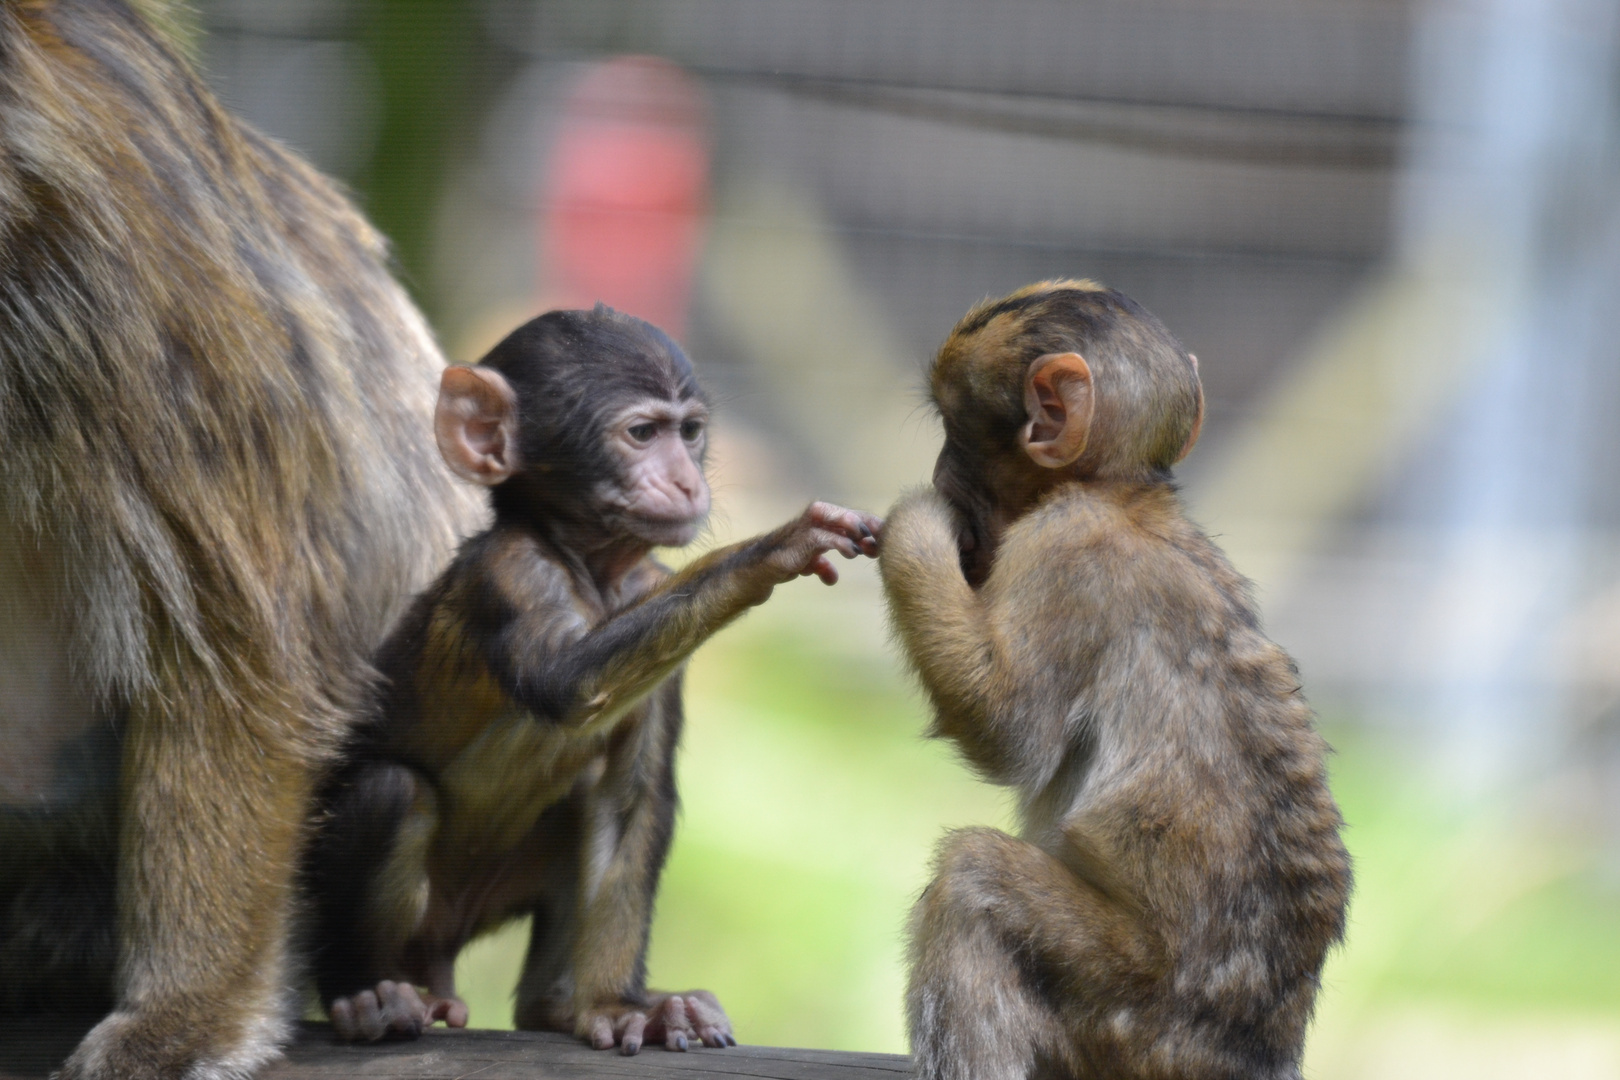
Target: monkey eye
(643, 432)
(691, 429)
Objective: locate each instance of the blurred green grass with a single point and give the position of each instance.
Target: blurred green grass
(812, 803)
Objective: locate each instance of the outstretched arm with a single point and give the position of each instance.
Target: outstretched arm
(588, 678)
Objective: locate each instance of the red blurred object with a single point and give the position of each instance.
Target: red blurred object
(626, 192)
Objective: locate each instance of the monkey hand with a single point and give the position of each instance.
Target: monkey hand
(394, 1010)
(799, 548)
(672, 1019)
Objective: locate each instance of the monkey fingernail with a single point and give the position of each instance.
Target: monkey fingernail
(631, 1047)
(680, 1042)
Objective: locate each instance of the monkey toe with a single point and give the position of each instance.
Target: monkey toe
(676, 1023)
(365, 1017)
(601, 1033)
(452, 1010)
(708, 1019)
(341, 1012)
(388, 1011)
(635, 1028)
(403, 1012)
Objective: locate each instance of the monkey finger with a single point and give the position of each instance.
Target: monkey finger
(831, 540)
(874, 529)
(845, 522)
(869, 537)
(601, 1033)
(823, 568)
(635, 1027)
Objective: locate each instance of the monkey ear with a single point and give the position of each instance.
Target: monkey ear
(1058, 398)
(476, 424)
(1198, 421)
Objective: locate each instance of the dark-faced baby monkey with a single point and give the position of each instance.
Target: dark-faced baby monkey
(521, 756)
(1179, 876)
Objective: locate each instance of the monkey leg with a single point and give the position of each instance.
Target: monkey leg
(626, 821)
(546, 988)
(215, 793)
(1012, 959)
(368, 877)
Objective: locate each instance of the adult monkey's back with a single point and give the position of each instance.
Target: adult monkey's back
(217, 485)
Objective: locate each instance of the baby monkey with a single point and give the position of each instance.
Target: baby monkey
(520, 759)
(1179, 878)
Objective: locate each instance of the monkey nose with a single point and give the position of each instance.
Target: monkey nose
(689, 482)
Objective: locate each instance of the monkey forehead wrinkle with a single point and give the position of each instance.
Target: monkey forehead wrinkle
(658, 408)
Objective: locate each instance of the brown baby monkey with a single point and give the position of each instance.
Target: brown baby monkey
(520, 758)
(1178, 879)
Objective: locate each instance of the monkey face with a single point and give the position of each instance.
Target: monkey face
(659, 494)
(590, 423)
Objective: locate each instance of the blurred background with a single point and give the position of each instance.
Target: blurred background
(1391, 232)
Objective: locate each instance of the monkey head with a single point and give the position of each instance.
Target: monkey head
(590, 420)
(1060, 381)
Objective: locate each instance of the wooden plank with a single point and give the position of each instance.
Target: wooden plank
(31, 1046)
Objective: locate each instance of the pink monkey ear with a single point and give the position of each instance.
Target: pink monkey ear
(476, 424)
(1198, 421)
(1058, 399)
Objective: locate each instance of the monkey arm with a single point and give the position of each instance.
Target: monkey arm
(550, 660)
(993, 688)
(940, 620)
(554, 663)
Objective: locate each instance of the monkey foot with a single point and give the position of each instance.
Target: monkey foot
(394, 1010)
(676, 1020)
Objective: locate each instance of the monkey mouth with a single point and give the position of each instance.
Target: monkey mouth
(673, 531)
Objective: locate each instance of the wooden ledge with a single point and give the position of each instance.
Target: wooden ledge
(31, 1046)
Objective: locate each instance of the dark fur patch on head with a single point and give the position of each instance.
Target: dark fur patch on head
(1146, 386)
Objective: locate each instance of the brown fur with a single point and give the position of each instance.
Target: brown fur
(521, 758)
(1179, 877)
(215, 442)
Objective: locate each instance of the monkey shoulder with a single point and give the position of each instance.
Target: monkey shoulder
(1075, 537)
(450, 663)
(1132, 538)
(506, 574)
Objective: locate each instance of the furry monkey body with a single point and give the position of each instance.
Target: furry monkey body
(1178, 879)
(521, 756)
(217, 491)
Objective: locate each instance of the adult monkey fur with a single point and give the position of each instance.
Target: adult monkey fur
(521, 756)
(1179, 877)
(217, 490)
